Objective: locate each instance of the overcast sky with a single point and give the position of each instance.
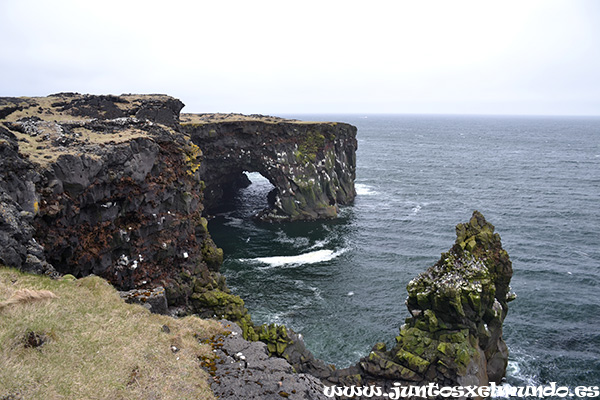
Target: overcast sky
(270, 57)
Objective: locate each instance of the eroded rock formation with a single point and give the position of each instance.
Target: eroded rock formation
(109, 186)
(311, 165)
(115, 186)
(242, 369)
(457, 307)
(454, 334)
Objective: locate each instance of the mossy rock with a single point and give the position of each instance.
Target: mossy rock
(212, 255)
(275, 337)
(223, 305)
(412, 361)
(454, 337)
(379, 364)
(456, 355)
(202, 226)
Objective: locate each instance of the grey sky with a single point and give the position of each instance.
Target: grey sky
(270, 57)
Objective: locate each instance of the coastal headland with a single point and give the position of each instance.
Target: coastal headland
(121, 187)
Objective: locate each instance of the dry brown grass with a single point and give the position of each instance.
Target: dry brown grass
(40, 147)
(42, 107)
(97, 347)
(23, 296)
(40, 150)
(32, 106)
(200, 119)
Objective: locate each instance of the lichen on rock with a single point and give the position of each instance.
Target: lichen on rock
(115, 186)
(311, 165)
(457, 307)
(106, 185)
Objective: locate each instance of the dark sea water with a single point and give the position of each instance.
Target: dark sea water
(342, 283)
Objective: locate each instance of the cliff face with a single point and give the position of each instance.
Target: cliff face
(311, 165)
(115, 186)
(109, 186)
(454, 334)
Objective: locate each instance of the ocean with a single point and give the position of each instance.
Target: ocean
(342, 283)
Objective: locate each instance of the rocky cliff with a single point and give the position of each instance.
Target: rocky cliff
(105, 185)
(457, 307)
(116, 186)
(311, 165)
(454, 334)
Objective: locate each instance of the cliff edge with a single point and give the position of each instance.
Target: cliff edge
(454, 334)
(118, 187)
(311, 165)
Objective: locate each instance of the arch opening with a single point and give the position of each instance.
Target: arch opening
(246, 196)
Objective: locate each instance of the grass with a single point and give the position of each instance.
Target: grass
(202, 119)
(96, 346)
(42, 107)
(40, 150)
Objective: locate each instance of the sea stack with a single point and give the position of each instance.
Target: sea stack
(457, 307)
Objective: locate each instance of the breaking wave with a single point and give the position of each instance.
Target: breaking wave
(312, 257)
(364, 190)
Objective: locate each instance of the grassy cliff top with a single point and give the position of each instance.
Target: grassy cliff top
(64, 107)
(87, 343)
(75, 124)
(212, 118)
(71, 123)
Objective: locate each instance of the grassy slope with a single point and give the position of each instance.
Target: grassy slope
(97, 347)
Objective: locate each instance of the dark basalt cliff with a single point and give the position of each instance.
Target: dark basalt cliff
(311, 165)
(454, 334)
(118, 186)
(105, 185)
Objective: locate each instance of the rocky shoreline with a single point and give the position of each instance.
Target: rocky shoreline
(120, 187)
(454, 334)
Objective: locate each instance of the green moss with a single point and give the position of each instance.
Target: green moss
(307, 149)
(201, 226)
(413, 361)
(418, 342)
(193, 155)
(289, 207)
(276, 338)
(247, 328)
(463, 355)
(446, 348)
(428, 322)
(379, 346)
(212, 255)
(224, 305)
(456, 353)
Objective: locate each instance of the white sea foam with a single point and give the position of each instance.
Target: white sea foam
(299, 241)
(234, 222)
(312, 257)
(364, 190)
(314, 289)
(318, 244)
